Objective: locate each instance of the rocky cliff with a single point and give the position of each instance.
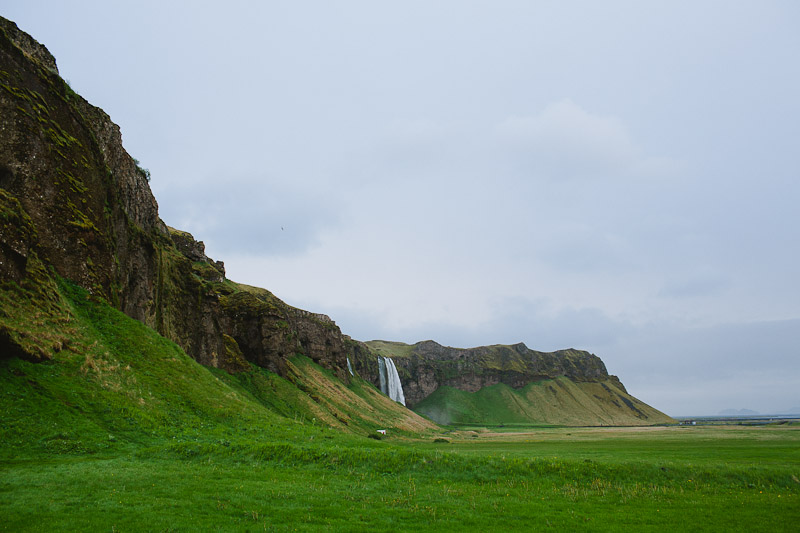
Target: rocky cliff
(501, 384)
(74, 204)
(427, 365)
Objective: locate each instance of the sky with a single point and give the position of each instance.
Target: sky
(619, 177)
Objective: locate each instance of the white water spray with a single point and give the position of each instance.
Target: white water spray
(349, 367)
(390, 380)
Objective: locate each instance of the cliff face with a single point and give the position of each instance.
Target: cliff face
(500, 384)
(76, 205)
(427, 365)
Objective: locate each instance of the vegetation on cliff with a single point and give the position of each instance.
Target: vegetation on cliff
(504, 384)
(78, 206)
(117, 383)
(558, 401)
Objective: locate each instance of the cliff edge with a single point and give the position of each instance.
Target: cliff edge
(502, 384)
(74, 205)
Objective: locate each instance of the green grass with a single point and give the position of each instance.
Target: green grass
(391, 349)
(558, 401)
(409, 487)
(118, 383)
(719, 446)
(121, 431)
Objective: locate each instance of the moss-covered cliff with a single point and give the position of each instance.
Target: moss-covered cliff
(427, 365)
(504, 384)
(74, 204)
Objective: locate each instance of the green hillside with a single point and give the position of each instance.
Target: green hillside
(558, 401)
(510, 384)
(115, 383)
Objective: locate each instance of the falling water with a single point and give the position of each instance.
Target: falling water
(390, 380)
(349, 367)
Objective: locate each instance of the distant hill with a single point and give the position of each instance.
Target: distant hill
(502, 384)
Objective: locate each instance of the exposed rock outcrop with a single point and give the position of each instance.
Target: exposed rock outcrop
(427, 365)
(73, 196)
(507, 384)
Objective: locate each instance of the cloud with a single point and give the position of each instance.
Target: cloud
(565, 141)
(409, 148)
(499, 320)
(260, 216)
(684, 369)
(705, 283)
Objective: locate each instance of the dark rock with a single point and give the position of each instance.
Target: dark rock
(28, 45)
(70, 193)
(427, 365)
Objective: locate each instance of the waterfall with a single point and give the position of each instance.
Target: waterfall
(390, 380)
(395, 387)
(349, 367)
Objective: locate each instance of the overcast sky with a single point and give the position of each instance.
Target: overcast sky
(619, 177)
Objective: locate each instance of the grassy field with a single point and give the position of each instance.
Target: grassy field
(121, 431)
(611, 479)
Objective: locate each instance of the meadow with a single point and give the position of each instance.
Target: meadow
(585, 479)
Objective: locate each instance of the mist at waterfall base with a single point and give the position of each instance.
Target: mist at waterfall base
(390, 380)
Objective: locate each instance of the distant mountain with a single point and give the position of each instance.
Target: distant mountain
(738, 412)
(502, 384)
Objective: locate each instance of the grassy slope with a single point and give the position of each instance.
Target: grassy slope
(313, 394)
(557, 401)
(117, 383)
(120, 430)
